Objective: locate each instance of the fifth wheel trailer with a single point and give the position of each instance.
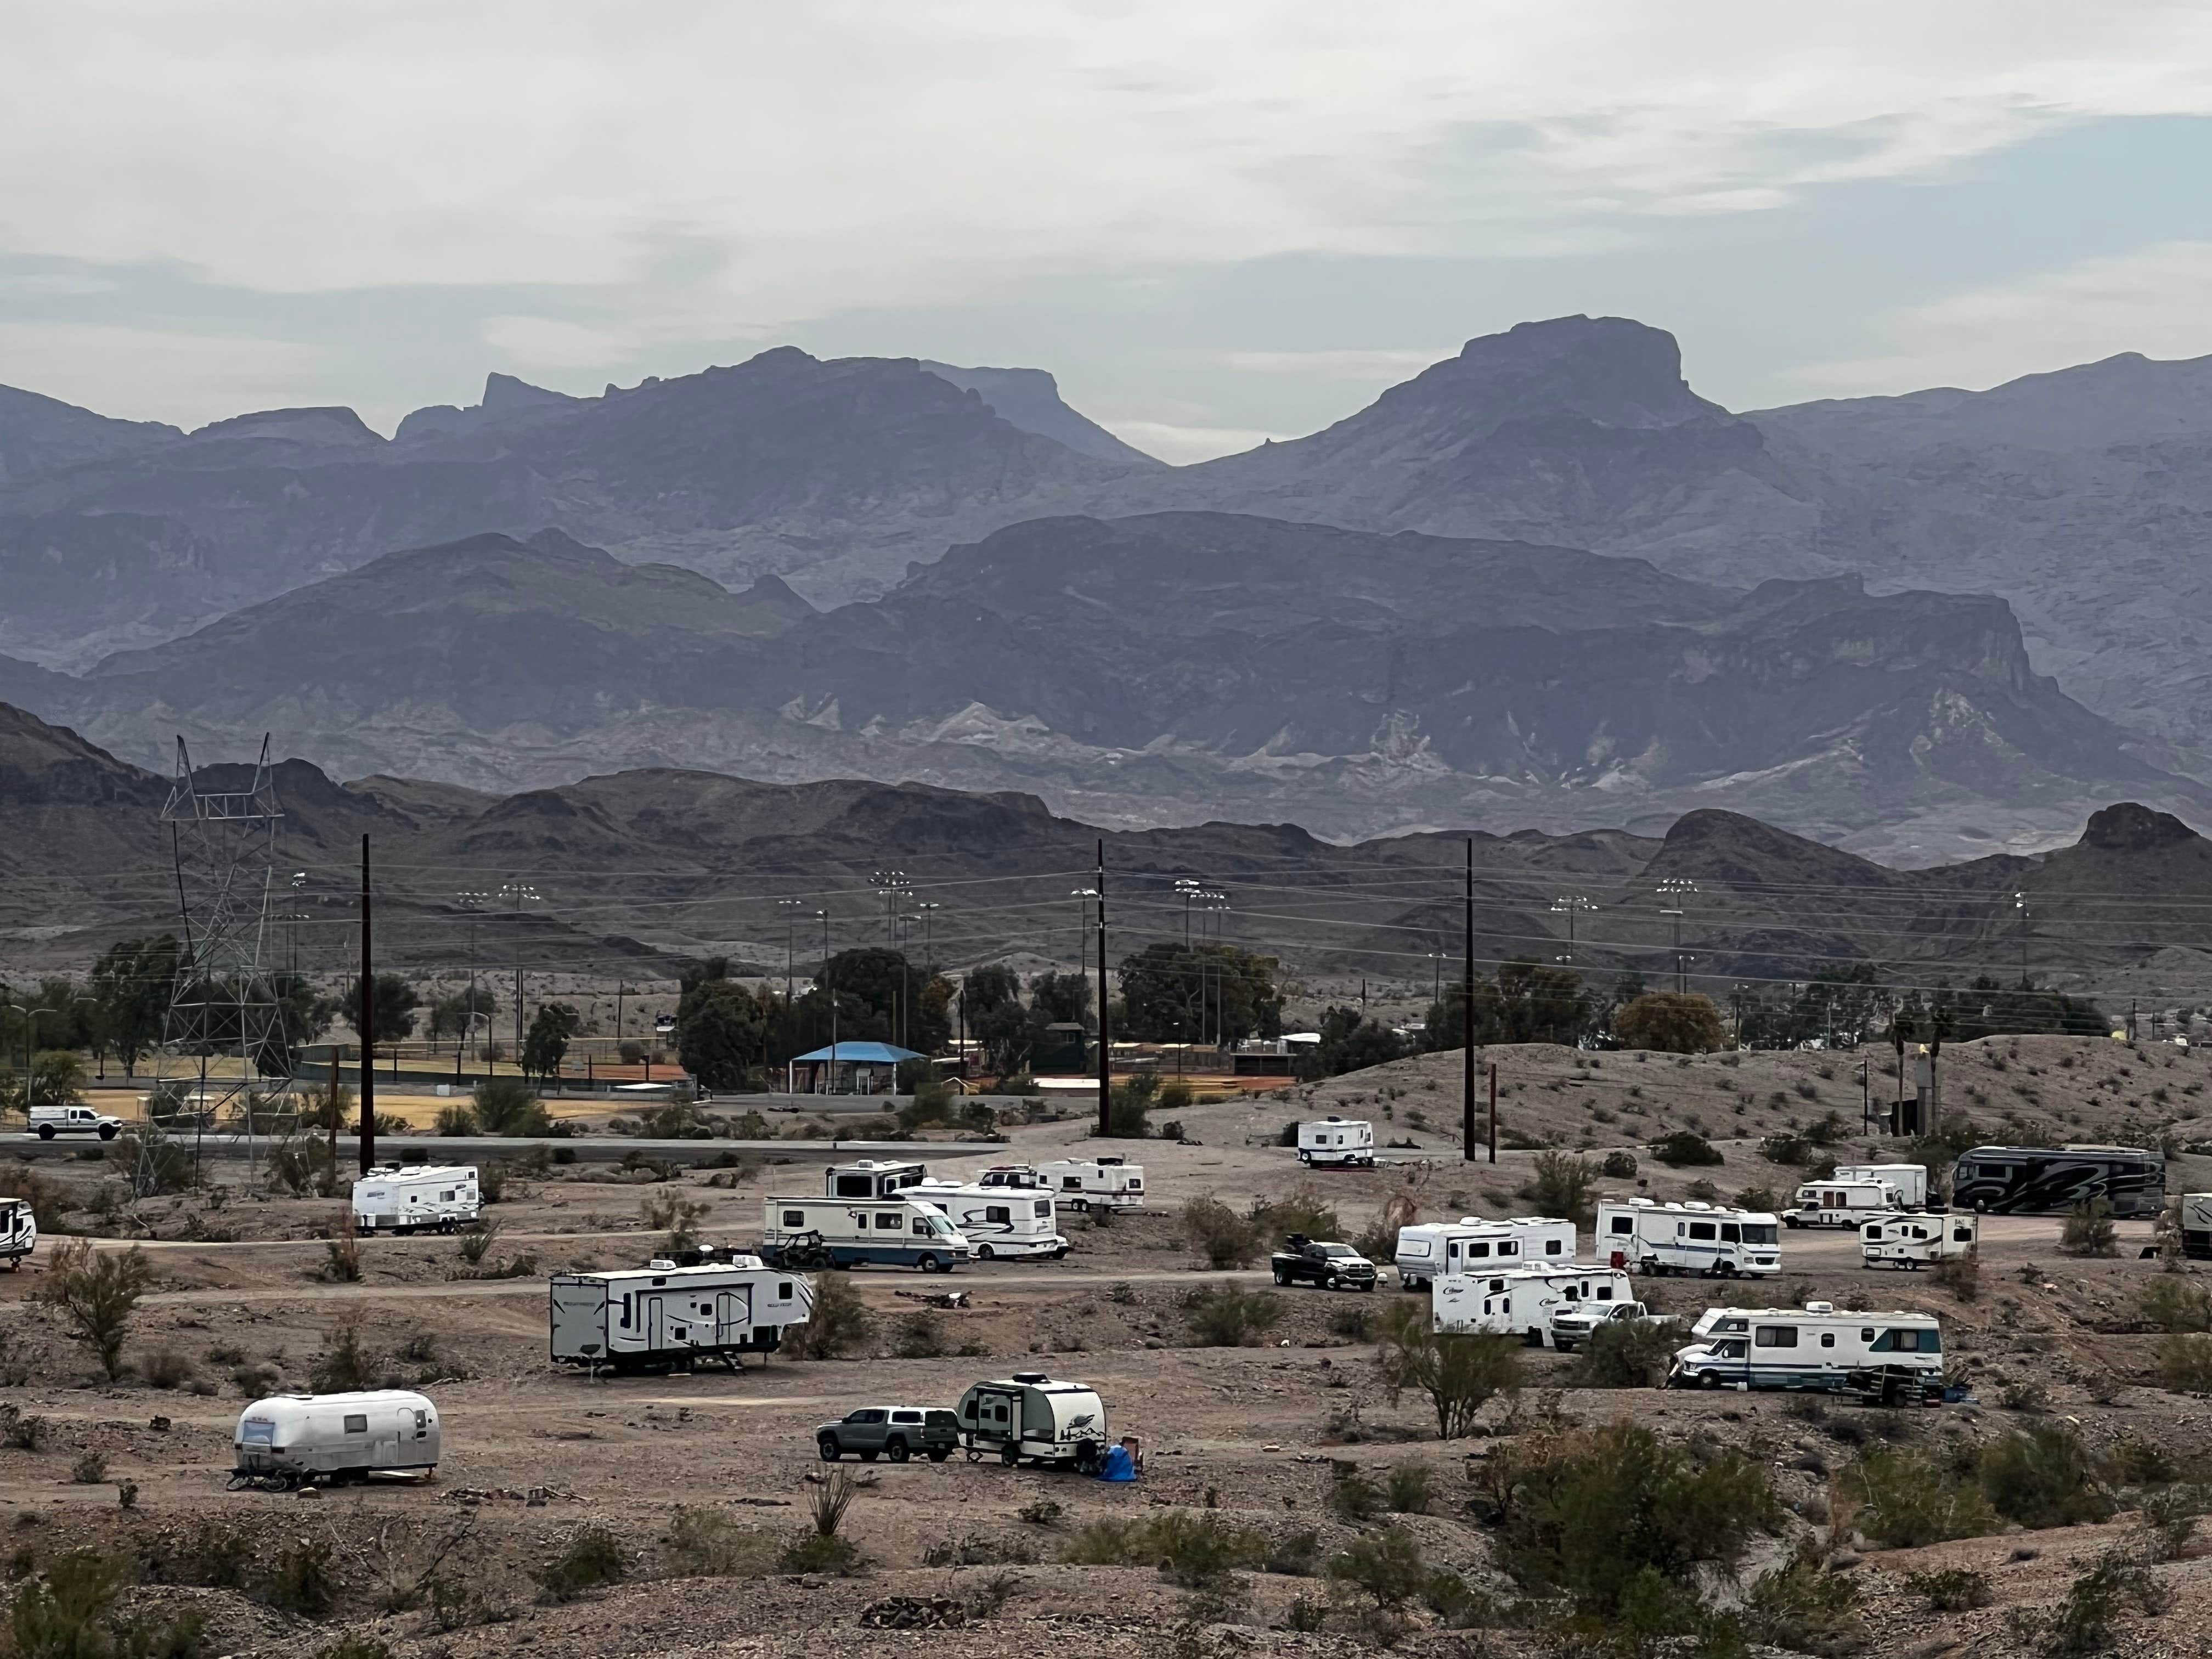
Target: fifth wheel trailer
(19, 1232)
(1429, 1249)
(1521, 1302)
(663, 1315)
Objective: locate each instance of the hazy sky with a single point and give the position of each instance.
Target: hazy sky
(1213, 221)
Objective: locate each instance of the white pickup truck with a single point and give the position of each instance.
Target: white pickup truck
(1585, 1319)
(47, 1121)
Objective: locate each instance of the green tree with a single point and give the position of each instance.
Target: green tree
(1350, 1043)
(996, 1020)
(392, 1003)
(721, 1028)
(131, 986)
(509, 1106)
(1457, 1375)
(1669, 1021)
(547, 1044)
(96, 1293)
(1527, 1002)
(1170, 992)
(458, 1014)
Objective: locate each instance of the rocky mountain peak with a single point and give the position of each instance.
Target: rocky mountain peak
(2128, 827)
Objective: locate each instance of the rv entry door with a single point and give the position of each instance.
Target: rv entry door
(734, 1316)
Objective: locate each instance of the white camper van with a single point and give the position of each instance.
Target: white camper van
(1030, 1415)
(294, 1439)
(663, 1315)
(2197, 1225)
(19, 1231)
(1688, 1238)
(1915, 1238)
(870, 1178)
(405, 1198)
(1810, 1347)
(1910, 1180)
(1840, 1203)
(1429, 1249)
(998, 1221)
(1337, 1143)
(1520, 1301)
(852, 1232)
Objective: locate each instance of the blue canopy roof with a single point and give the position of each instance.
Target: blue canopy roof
(863, 1054)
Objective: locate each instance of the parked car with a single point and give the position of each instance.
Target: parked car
(897, 1432)
(1336, 1266)
(47, 1121)
(1585, 1319)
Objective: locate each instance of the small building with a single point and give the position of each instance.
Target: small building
(1063, 1050)
(848, 1068)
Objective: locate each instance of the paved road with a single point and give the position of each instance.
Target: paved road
(587, 1148)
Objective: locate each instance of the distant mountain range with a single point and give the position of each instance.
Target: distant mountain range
(1918, 624)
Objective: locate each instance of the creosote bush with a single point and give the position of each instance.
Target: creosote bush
(1215, 1232)
(1627, 1355)
(2089, 1230)
(839, 1323)
(1226, 1316)
(1457, 1375)
(96, 1294)
(1951, 1589)
(1686, 1147)
(593, 1558)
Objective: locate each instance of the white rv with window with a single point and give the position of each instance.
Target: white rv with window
(1337, 1143)
(1032, 1416)
(2197, 1225)
(663, 1315)
(1688, 1238)
(998, 1221)
(870, 1178)
(1087, 1184)
(406, 1197)
(19, 1231)
(1915, 1238)
(1840, 1203)
(295, 1438)
(1910, 1180)
(1430, 1249)
(852, 1232)
(1520, 1301)
(1814, 1346)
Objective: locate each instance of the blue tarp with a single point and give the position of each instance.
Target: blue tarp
(1119, 1466)
(860, 1054)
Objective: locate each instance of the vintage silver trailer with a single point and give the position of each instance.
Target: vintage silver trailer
(293, 1439)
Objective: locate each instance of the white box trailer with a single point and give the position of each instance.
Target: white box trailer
(1814, 1346)
(1520, 1301)
(1035, 1417)
(1910, 1180)
(852, 1232)
(19, 1231)
(407, 1198)
(663, 1315)
(1095, 1183)
(1706, 1239)
(2197, 1225)
(1841, 1203)
(1427, 1250)
(998, 1221)
(294, 1439)
(1916, 1238)
(1337, 1143)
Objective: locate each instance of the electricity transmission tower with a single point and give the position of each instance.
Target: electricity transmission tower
(226, 1026)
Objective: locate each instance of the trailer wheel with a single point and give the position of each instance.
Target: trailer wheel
(984, 1252)
(928, 1263)
(828, 1448)
(896, 1451)
(1009, 1455)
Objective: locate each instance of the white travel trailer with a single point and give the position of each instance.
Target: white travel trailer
(19, 1231)
(998, 1221)
(1688, 1238)
(405, 1198)
(1430, 1249)
(870, 1178)
(2197, 1225)
(1521, 1301)
(1841, 1203)
(1030, 1415)
(1810, 1347)
(663, 1315)
(294, 1439)
(852, 1232)
(1337, 1143)
(1910, 1180)
(1915, 1238)
(1088, 1183)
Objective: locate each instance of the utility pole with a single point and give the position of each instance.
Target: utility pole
(1105, 1036)
(791, 908)
(2019, 905)
(1493, 1111)
(367, 1027)
(1673, 895)
(1570, 904)
(1466, 995)
(473, 904)
(824, 983)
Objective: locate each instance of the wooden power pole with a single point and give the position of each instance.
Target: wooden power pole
(367, 1021)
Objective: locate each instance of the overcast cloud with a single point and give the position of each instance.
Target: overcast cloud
(1215, 222)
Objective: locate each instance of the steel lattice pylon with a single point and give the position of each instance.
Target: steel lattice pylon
(224, 1039)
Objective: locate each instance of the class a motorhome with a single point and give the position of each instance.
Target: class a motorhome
(402, 1198)
(1918, 1238)
(1521, 1302)
(1813, 1347)
(1337, 1143)
(1838, 1202)
(2197, 1225)
(293, 1439)
(870, 1178)
(2052, 1180)
(1031, 1417)
(897, 1231)
(1910, 1180)
(998, 1221)
(1427, 1250)
(662, 1315)
(19, 1231)
(1706, 1239)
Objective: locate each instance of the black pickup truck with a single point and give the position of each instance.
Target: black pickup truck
(1303, 1260)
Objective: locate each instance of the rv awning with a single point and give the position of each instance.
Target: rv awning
(859, 1054)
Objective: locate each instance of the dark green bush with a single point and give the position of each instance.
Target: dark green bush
(2044, 1477)
(1629, 1355)
(1686, 1147)
(1907, 1499)
(1951, 1589)
(591, 1559)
